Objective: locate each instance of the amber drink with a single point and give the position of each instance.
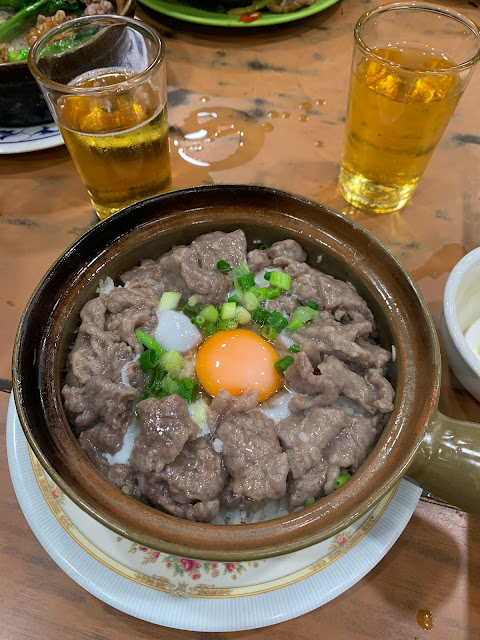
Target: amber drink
(112, 112)
(403, 92)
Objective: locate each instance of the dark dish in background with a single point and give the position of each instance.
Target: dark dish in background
(21, 101)
(410, 442)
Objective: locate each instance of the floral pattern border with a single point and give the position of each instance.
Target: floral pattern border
(184, 571)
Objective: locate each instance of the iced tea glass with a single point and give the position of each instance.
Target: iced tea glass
(104, 80)
(411, 64)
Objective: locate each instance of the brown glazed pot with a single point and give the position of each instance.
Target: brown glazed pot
(437, 452)
(21, 100)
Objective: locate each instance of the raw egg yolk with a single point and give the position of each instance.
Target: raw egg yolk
(238, 361)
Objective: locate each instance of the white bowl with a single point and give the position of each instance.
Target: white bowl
(461, 308)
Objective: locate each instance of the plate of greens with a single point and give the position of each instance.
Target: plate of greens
(246, 14)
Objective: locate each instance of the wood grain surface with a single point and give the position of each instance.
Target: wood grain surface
(283, 92)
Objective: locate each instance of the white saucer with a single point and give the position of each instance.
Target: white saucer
(24, 139)
(197, 595)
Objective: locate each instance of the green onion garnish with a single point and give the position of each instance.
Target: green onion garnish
(340, 480)
(267, 275)
(280, 280)
(227, 310)
(242, 316)
(309, 502)
(268, 332)
(191, 310)
(304, 314)
(250, 301)
(241, 270)
(235, 298)
(295, 325)
(188, 389)
(169, 300)
(260, 315)
(148, 360)
(273, 293)
(209, 329)
(246, 281)
(224, 266)
(210, 313)
(294, 348)
(171, 361)
(282, 365)
(227, 325)
(148, 341)
(259, 292)
(262, 247)
(277, 321)
(312, 304)
(199, 320)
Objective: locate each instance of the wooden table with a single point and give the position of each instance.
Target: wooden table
(282, 92)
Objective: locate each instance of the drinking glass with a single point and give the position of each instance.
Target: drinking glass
(411, 63)
(104, 80)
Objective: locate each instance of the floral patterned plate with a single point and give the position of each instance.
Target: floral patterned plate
(185, 593)
(24, 139)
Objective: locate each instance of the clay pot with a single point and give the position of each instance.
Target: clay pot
(418, 441)
(21, 101)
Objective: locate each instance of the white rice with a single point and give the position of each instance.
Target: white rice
(105, 287)
(217, 444)
(271, 509)
(394, 353)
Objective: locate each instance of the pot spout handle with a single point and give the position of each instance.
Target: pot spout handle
(447, 462)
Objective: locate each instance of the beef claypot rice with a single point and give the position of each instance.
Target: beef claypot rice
(224, 384)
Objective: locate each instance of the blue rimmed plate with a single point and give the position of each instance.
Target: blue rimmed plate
(25, 139)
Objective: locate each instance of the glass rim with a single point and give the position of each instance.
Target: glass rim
(111, 19)
(445, 11)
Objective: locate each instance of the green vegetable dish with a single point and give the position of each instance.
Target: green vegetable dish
(22, 22)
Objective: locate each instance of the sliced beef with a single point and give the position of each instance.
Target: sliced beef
(230, 500)
(224, 404)
(333, 471)
(383, 390)
(302, 377)
(197, 473)
(192, 270)
(165, 427)
(310, 485)
(126, 323)
(157, 494)
(100, 400)
(253, 456)
(124, 477)
(137, 296)
(257, 260)
(305, 436)
(285, 304)
(99, 440)
(286, 249)
(351, 446)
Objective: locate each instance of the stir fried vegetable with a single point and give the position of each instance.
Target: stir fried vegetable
(27, 16)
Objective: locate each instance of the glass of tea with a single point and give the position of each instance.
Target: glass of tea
(411, 64)
(104, 80)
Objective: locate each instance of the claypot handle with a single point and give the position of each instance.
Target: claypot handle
(447, 462)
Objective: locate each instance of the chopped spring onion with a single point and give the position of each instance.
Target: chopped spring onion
(280, 280)
(268, 332)
(260, 316)
(250, 301)
(277, 321)
(312, 304)
(242, 316)
(246, 281)
(169, 385)
(209, 329)
(304, 314)
(171, 361)
(267, 275)
(295, 325)
(294, 348)
(235, 298)
(340, 480)
(309, 502)
(283, 364)
(199, 320)
(227, 310)
(188, 389)
(224, 266)
(191, 310)
(259, 292)
(273, 293)
(192, 301)
(227, 325)
(209, 313)
(148, 341)
(169, 300)
(262, 247)
(148, 360)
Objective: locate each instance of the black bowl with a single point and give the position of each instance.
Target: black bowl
(21, 101)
